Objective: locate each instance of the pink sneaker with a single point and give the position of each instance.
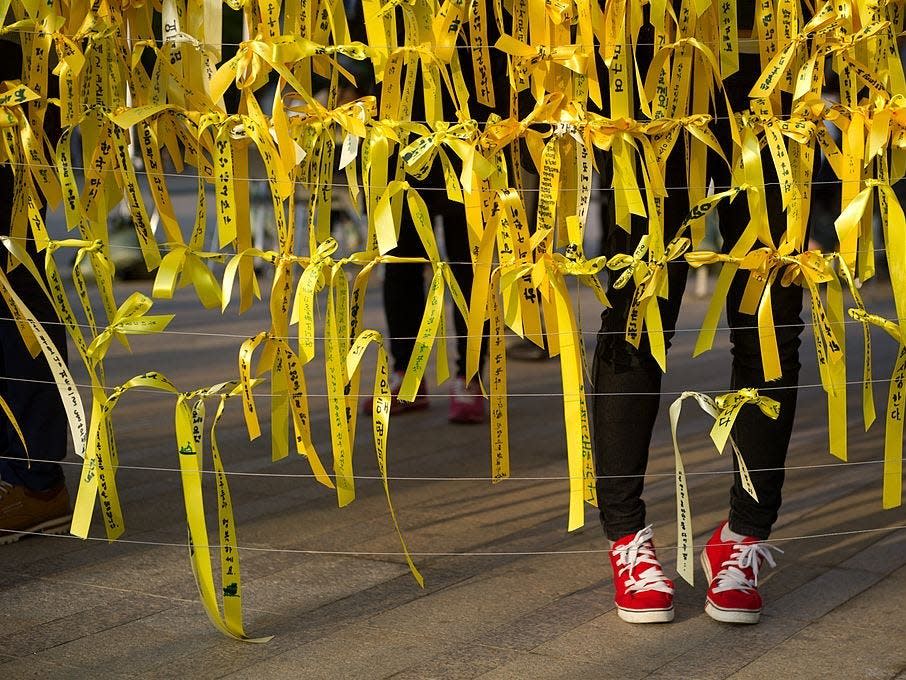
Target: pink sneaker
(642, 593)
(732, 571)
(466, 403)
(420, 403)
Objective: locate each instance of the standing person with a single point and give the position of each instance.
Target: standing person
(33, 495)
(627, 385)
(404, 284)
(405, 299)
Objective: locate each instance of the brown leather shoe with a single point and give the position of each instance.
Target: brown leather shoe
(27, 511)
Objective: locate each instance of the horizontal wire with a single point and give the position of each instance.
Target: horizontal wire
(426, 261)
(483, 553)
(211, 179)
(538, 122)
(554, 478)
(284, 395)
(188, 39)
(546, 334)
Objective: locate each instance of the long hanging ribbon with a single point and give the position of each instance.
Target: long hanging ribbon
(381, 421)
(892, 493)
(724, 410)
(189, 429)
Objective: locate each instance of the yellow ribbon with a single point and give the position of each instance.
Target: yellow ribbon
(892, 492)
(130, 319)
(650, 283)
(381, 421)
(189, 429)
(182, 266)
(724, 410)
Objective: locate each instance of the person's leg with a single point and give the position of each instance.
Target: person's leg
(734, 554)
(467, 403)
(33, 495)
(404, 294)
(30, 392)
(458, 255)
(27, 384)
(763, 442)
(627, 385)
(627, 381)
(404, 304)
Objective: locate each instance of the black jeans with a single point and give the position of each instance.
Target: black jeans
(404, 284)
(623, 420)
(27, 384)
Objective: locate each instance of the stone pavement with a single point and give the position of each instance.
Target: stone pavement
(534, 602)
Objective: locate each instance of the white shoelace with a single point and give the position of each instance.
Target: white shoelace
(395, 382)
(640, 551)
(5, 487)
(744, 556)
(459, 390)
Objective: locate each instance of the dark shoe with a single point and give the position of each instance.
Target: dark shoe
(26, 511)
(526, 350)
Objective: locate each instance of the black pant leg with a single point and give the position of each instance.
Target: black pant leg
(763, 442)
(456, 242)
(28, 383)
(404, 294)
(627, 381)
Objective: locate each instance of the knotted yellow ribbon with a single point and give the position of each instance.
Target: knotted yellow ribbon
(810, 269)
(540, 56)
(189, 432)
(278, 350)
(500, 133)
(256, 58)
(130, 319)
(650, 283)
(537, 60)
(724, 410)
(621, 137)
(548, 277)
(313, 131)
(419, 155)
(183, 265)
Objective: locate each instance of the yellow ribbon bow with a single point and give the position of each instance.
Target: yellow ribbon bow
(182, 266)
(462, 138)
(724, 410)
(650, 283)
(130, 319)
(537, 60)
(540, 56)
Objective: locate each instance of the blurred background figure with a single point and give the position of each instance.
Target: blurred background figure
(404, 284)
(33, 495)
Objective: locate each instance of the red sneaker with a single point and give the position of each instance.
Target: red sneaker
(396, 406)
(732, 570)
(466, 402)
(643, 593)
